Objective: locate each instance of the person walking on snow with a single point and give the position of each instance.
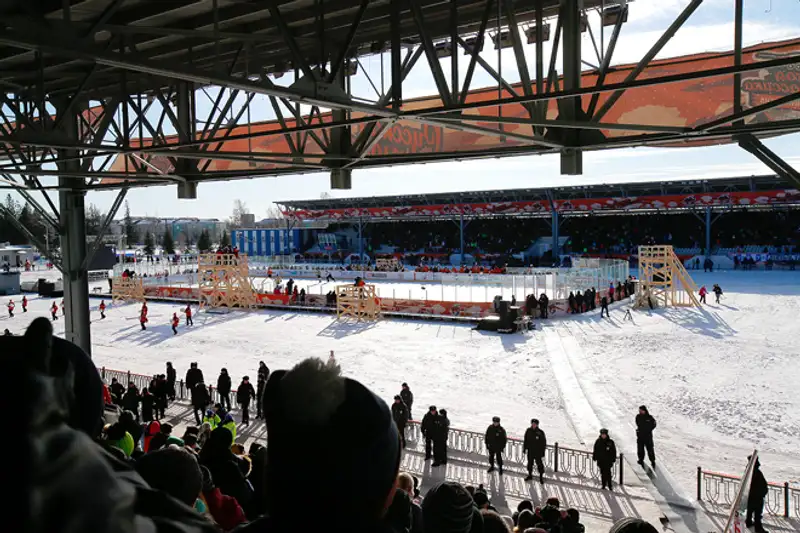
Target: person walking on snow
(717, 291)
(244, 394)
(188, 313)
(645, 425)
(102, 309)
(604, 306)
(496, 440)
(143, 317)
(605, 455)
(10, 306)
(535, 444)
(703, 292)
(175, 322)
(54, 311)
(24, 304)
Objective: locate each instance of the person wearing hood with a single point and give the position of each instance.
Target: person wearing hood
(212, 419)
(244, 394)
(428, 429)
(224, 388)
(200, 400)
(230, 424)
(496, 440)
(216, 455)
(755, 499)
(645, 425)
(400, 416)
(605, 455)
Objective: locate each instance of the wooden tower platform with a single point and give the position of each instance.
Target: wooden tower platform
(127, 289)
(360, 303)
(663, 279)
(225, 282)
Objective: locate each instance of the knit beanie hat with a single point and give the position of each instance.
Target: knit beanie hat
(448, 508)
(632, 525)
(174, 471)
(526, 519)
(321, 426)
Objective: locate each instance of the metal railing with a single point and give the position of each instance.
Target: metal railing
(782, 499)
(558, 459)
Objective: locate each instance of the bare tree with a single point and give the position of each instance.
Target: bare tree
(239, 209)
(275, 213)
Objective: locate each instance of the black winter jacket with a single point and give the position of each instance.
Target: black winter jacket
(645, 425)
(496, 438)
(224, 383)
(535, 442)
(605, 452)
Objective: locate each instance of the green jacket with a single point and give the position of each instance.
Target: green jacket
(231, 426)
(213, 421)
(125, 444)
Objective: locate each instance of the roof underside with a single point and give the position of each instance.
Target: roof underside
(739, 184)
(244, 36)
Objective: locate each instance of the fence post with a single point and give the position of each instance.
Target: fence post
(786, 499)
(103, 373)
(129, 377)
(699, 484)
(181, 396)
(555, 457)
(621, 469)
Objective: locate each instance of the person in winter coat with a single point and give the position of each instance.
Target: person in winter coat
(174, 323)
(262, 382)
(408, 399)
(579, 302)
(161, 394)
(604, 307)
(129, 424)
(496, 440)
(605, 455)
(25, 304)
(171, 379)
(611, 292)
(147, 406)
(263, 370)
(440, 432)
(102, 309)
(244, 394)
(212, 419)
(193, 376)
(645, 425)
(224, 388)
(188, 313)
(400, 417)
(142, 317)
(11, 309)
(571, 301)
(54, 312)
(200, 400)
(755, 499)
(428, 428)
(535, 444)
(117, 391)
(225, 510)
(216, 455)
(131, 399)
(544, 305)
(150, 431)
(717, 291)
(703, 292)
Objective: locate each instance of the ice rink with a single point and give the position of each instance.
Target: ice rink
(721, 380)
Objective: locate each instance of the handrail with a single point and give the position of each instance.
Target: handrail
(782, 499)
(557, 458)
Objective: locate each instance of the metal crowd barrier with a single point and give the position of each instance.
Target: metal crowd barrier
(782, 499)
(557, 458)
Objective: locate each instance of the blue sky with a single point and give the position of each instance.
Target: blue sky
(709, 29)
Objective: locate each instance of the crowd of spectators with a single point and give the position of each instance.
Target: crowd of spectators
(322, 426)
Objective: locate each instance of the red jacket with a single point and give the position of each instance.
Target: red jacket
(225, 509)
(107, 395)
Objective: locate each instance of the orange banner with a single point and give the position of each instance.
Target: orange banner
(681, 104)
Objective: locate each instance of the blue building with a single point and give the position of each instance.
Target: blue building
(265, 242)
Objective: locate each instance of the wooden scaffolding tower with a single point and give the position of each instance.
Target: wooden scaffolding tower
(360, 303)
(225, 282)
(126, 289)
(663, 280)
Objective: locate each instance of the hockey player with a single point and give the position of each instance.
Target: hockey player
(102, 309)
(645, 425)
(496, 440)
(24, 304)
(535, 445)
(400, 416)
(408, 399)
(10, 306)
(244, 394)
(175, 322)
(188, 313)
(605, 455)
(703, 292)
(329, 277)
(54, 311)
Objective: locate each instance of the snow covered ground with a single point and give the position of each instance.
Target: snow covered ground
(721, 380)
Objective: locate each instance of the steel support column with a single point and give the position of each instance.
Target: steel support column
(341, 141)
(186, 132)
(708, 232)
(461, 235)
(73, 244)
(556, 222)
(570, 108)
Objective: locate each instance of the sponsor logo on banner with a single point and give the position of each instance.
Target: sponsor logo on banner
(378, 275)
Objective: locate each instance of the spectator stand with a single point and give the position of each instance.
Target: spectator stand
(127, 289)
(358, 302)
(664, 281)
(225, 282)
